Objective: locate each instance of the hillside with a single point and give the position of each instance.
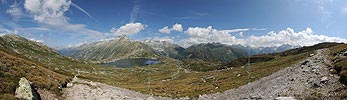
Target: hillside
(215, 52)
(165, 48)
(111, 50)
(21, 57)
(15, 63)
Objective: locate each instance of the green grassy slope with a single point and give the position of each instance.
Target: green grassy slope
(14, 66)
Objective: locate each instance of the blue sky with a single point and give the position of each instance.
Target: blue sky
(66, 23)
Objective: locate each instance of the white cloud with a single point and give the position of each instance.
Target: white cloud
(205, 35)
(15, 11)
(129, 29)
(167, 39)
(7, 31)
(289, 36)
(306, 37)
(81, 9)
(165, 30)
(76, 45)
(51, 13)
(36, 40)
(33, 6)
(176, 27)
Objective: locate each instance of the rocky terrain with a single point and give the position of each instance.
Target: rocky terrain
(87, 90)
(309, 79)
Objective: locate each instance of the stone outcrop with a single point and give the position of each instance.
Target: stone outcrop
(26, 91)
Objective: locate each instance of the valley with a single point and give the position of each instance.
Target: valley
(171, 78)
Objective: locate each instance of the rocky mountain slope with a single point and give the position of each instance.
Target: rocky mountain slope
(274, 49)
(30, 49)
(111, 50)
(165, 48)
(226, 53)
(215, 52)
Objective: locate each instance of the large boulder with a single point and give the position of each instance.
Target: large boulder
(26, 91)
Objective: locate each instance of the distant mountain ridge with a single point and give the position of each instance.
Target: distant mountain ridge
(273, 49)
(215, 51)
(165, 48)
(111, 50)
(122, 48)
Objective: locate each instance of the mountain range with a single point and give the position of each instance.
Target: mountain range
(111, 50)
(124, 48)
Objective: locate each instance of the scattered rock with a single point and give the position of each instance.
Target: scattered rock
(332, 71)
(305, 62)
(324, 79)
(311, 55)
(69, 85)
(26, 91)
(315, 85)
(284, 98)
(345, 53)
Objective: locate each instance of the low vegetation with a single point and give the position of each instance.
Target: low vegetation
(13, 67)
(171, 78)
(339, 58)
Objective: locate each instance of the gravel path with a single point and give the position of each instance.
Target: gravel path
(84, 90)
(307, 79)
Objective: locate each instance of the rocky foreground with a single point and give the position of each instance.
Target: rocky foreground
(86, 90)
(309, 79)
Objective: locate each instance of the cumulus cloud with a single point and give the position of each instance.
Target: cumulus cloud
(165, 30)
(51, 13)
(209, 34)
(175, 27)
(289, 36)
(167, 39)
(306, 37)
(129, 29)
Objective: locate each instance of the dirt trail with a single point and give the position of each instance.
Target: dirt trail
(308, 79)
(84, 90)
